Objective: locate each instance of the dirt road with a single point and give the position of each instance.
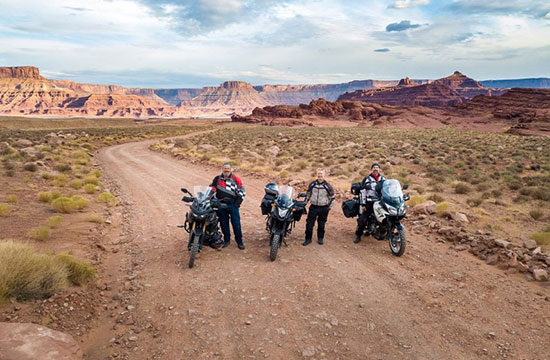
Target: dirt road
(336, 301)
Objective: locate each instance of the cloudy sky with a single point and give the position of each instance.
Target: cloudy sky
(192, 43)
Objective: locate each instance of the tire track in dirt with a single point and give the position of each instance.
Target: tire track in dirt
(339, 300)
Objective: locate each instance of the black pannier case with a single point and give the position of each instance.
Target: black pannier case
(266, 203)
(300, 207)
(350, 208)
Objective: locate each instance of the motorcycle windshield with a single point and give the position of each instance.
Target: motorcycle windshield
(202, 192)
(285, 196)
(392, 194)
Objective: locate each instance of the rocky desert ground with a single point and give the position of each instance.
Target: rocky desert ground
(95, 204)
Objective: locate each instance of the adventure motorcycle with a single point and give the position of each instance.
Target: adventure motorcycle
(385, 224)
(282, 212)
(201, 222)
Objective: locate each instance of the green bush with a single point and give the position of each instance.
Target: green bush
(76, 184)
(64, 205)
(25, 274)
(30, 167)
(107, 198)
(91, 180)
(41, 233)
(415, 200)
(79, 271)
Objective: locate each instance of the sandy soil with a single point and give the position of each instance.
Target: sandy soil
(336, 301)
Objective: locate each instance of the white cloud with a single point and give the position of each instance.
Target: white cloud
(402, 4)
(547, 16)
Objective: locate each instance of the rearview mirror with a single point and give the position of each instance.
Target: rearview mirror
(405, 187)
(185, 191)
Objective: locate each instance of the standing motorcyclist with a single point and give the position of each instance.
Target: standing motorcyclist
(229, 187)
(368, 196)
(321, 195)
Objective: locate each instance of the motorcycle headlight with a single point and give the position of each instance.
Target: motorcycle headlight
(282, 212)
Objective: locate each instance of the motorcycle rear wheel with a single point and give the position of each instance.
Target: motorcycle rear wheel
(398, 242)
(275, 244)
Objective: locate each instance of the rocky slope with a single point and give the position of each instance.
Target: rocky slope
(23, 91)
(518, 111)
(452, 90)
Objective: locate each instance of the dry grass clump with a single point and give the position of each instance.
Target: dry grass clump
(415, 200)
(64, 205)
(54, 221)
(108, 199)
(436, 198)
(31, 167)
(12, 199)
(91, 180)
(89, 189)
(76, 184)
(79, 271)
(41, 233)
(536, 214)
(542, 238)
(25, 274)
(5, 209)
(45, 197)
(462, 188)
(442, 208)
(80, 202)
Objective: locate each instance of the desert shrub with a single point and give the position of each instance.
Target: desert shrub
(91, 180)
(5, 209)
(41, 233)
(30, 167)
(536, 214)
(55, 194)
(284, 174)
(76, 184)
(107, 198)
(45, 196)
(79, 271)
(542, 238)
(514, 185)
(59, 180)
(420, 189)
(63, 167)
(474, 202)
(436, 198)
(94, 218)
(89, 188)
(47, 176)
(54, 221)
(12, 199)
(442, 208)
(25, 274)
(80, 202)
(415, 200)
(10, 173)
(462, 188)
(64, 205)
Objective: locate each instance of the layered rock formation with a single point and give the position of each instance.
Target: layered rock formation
(448, 91)
(23, 91)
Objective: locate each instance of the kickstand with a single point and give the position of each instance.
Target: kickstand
(284, 242)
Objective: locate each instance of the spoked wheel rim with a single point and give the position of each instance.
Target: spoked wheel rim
(395, 241)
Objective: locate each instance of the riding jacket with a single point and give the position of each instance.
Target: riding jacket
(368, 188)
(232, 183)
(320, 194)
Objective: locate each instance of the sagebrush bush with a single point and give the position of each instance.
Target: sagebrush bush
(91, 180)
(45, 196)
(442, 208)
(415, 200)
(41, 233)
(54, 221)
(76, 184)
(64, 205)
(26, 274)
(462, 188)
(79, 271)
(89, 189)
(536, 214)
(5, 209)
(80, 202)
(30, 167)
(436, 198)
(108, 199)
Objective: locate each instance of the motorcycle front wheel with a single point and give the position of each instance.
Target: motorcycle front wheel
(275, 244)
(397, 241)
(194, 249)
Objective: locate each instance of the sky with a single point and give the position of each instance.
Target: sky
(194, 43)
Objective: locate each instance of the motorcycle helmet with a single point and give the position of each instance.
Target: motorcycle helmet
(271, 189)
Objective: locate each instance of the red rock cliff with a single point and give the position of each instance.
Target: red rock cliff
(20, 72)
